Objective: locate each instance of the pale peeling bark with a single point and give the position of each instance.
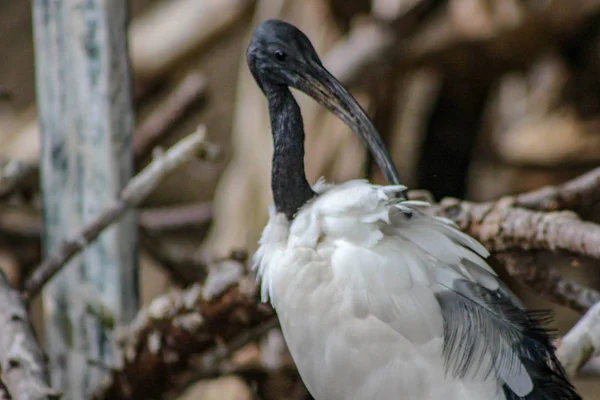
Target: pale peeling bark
(86, 115)
(21, 358)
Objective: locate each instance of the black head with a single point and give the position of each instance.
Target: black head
(280, 55)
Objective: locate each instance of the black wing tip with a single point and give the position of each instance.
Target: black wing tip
(534, 347)
(550, 382)
(553, 385)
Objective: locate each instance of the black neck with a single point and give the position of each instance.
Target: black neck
(288, 178)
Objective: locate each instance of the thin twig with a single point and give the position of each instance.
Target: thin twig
(25, 222)
(581, 343)
(187, 93)
(579, 192)
(23, 363)
(132, 195)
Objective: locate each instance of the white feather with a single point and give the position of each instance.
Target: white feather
(353, 279)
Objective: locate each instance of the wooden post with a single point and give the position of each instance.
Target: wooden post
(85, 107)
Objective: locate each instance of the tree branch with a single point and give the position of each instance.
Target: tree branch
(25, 222)
(207, 321)
(132, 195)
(581, 191)
(21, 357)
(546, 280)
(500, 226)
(581, 343)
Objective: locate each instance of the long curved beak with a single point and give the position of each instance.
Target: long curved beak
(319, 84)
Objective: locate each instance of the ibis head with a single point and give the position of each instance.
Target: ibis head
(281, 56)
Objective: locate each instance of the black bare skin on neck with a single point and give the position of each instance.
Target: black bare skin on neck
(288, 178)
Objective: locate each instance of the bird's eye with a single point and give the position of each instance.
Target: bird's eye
(280, 55)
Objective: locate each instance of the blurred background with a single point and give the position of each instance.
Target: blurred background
(475, 99)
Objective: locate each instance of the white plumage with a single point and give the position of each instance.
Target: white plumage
(353, 279)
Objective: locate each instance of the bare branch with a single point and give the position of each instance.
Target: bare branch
(132, 195)
(581, 343)
(547, 280)
(209, 321)
(187, 93)
(500, 227)
(579, 192)
(21, 357)
(24, 222)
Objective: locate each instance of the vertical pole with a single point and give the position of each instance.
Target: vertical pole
(85, 108)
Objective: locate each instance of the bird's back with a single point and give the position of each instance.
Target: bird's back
(378, 300)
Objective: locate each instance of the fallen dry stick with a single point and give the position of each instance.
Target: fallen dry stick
(132, 195)
(22, 360)
(201, 324)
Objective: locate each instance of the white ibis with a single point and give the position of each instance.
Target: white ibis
(376, 299)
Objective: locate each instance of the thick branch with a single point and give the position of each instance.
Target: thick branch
(21, 357)
(500, 227)
(132, 195)
(581, 343)
(203, 321)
